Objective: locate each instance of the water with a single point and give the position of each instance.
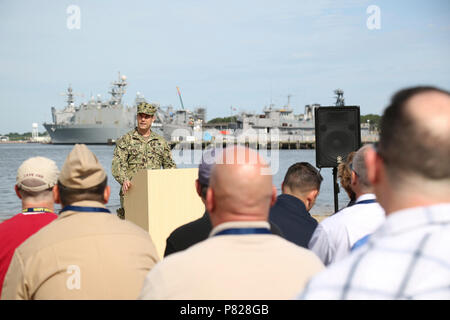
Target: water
(12, 155)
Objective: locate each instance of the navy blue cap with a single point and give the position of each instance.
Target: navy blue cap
(205, 167)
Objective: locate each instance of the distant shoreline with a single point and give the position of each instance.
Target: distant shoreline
(12, 142)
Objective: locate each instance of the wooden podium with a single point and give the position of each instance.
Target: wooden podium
(159, 201)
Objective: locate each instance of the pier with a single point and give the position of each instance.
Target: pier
(287, 143)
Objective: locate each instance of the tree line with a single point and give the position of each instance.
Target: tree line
(15, 136)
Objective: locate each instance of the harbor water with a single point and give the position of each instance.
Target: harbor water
(12, 155)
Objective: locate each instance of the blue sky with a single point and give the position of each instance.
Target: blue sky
(243, 54)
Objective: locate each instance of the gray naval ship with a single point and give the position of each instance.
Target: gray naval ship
(278, 122)
(293, 127)
(103, 122)
(284, 119)
(281, 118)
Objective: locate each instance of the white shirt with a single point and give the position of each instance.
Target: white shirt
(408, 257)
(335, 236)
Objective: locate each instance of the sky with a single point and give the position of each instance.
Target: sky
(221, 54)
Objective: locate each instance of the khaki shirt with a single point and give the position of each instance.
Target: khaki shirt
(133, 152)
(233, 267)
(81, 255)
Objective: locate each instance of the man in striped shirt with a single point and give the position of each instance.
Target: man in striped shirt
(408, 256)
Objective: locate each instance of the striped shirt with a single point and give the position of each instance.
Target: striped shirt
(408, 257)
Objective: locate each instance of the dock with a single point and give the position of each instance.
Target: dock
(287, 143)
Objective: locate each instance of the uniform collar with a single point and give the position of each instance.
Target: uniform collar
(239, 224)
(365, 196)
(292, 201)
(140, 137)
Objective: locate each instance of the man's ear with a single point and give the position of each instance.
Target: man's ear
(372, 166)
(353, 178)
(106, 194)
(16, 188)
(210, 201)
(311, 197)
(56, 196)
(274, 195)
(198, 188)
(315, 194)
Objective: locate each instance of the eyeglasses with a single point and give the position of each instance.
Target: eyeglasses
(351, 168)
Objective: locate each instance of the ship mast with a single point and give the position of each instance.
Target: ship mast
(70, 96)
(339, 98)
(118, 90)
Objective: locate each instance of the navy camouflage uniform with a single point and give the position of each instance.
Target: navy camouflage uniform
(134, 152)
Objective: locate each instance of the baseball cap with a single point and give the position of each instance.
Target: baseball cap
(205, 167)
(146, 108)
(81, 170)
(37, 174)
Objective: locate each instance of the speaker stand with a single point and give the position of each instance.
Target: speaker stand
(335, 189)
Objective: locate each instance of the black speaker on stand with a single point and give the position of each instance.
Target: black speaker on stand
(338, 132)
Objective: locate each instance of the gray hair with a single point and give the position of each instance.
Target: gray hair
(359, 166)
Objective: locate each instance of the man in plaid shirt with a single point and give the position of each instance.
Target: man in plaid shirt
(408, 257)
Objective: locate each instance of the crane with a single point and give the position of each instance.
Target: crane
(181, 100)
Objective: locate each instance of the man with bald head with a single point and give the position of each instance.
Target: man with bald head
(198, 230)
(241, 259)
(408, 256)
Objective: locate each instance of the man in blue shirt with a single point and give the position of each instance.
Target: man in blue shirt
(290, 213)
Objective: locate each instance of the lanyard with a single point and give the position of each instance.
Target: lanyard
(366, 201)
(84, 209)
(360, 242)
(243, 231)
(36, 210)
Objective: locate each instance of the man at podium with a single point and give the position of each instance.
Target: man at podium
(141, 148)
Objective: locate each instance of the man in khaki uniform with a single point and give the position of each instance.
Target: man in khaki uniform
(86, 253)
(241, 259)
(141, 148)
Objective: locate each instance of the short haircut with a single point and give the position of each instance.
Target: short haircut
(359, 166)
(70, 195)
(406, 146)
(203, 190)
(302, 177)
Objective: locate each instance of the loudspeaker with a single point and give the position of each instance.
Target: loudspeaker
(338, 132)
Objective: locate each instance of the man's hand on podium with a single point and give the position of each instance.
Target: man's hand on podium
(125, 186)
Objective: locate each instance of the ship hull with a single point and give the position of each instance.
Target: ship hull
(87, 134)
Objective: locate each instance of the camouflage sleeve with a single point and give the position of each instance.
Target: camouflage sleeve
(168, 162)
(120, 162)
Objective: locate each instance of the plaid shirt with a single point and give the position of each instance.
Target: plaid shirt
(408, 257)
